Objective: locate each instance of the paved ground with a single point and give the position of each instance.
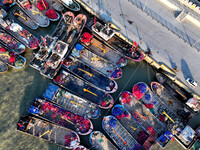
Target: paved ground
(166, 47)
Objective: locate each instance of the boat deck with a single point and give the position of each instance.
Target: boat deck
(106, 52)
(119, 134)
(143, 116)
(20, 33)
(60, 116)
(130, 124)
(174, 89)
(174, 104)
(98, 63)
(50, 132)
(83, 89)
(159, 108)
(100, 142)
(71, 102)
(87, 73)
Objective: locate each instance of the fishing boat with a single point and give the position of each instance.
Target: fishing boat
(141, 114)
(25, 19)
(104, 31)
(46, 46)
(50, 132)
(130, 51)
(154, 127)
(130, 124)
(64, 26)
(47, 9)
(9, 41)
(71, 4)
(173, 88)
(75, 33)
(10, 58)
(160, 110)
(100, 142)
(90, 75)
(3, 67)
(71, 102)
(108, 36)
(187, 137)
(51, 64)
(175, 105)
(33, 13)
(119, 134)
(20, 33)
(83, 89)
(101, 49)
(60, 116)
(80, 147)
(105, 67)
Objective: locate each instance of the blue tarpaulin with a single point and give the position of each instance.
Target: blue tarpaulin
(77, 49)
(50, 91)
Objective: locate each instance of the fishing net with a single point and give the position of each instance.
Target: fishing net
(139, 90)
(151, 131)
(119, 112)
(51, 14)
(42, 5)
(142, 137)
(112, 122)
(2, 49)
(86, 38)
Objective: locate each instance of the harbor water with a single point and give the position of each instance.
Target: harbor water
(18, 88)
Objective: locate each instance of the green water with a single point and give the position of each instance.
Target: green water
(18, 89)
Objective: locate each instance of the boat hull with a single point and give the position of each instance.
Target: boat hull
(60, 116)
(83, 89)
(71, 102)
(48, 131)
(88, 74)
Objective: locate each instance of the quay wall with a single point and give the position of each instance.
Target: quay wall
(147, 58)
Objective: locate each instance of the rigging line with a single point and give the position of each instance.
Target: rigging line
(124, 86)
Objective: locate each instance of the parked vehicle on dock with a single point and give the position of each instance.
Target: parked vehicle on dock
(83, 89)
(50, 132)
(191, 82)
(90, 75)
(60, 116)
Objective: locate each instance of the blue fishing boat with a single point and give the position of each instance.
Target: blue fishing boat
(71, 102)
